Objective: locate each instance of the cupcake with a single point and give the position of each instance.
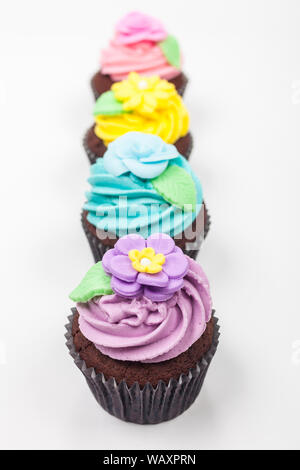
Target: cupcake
(143, 185)
(143, 331)
(141, 44)
(145, 104)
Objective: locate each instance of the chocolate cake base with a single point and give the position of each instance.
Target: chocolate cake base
(101, 83)
(140, 372)
(101, 241)
(143, 393)
(95, 147)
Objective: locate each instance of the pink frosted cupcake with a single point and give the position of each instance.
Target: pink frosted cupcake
(141, 44)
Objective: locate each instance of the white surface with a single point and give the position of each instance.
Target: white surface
(244, 100)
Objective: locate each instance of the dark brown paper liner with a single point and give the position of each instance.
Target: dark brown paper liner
(93, 157)
(98, 248)
(109, 82)
(147, 405)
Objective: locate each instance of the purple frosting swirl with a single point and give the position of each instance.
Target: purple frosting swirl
(140, 329)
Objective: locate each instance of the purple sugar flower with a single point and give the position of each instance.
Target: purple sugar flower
(154, 268)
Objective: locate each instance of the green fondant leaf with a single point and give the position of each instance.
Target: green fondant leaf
(107, 104)
(177, 187)
(94, 283)
(171, 51)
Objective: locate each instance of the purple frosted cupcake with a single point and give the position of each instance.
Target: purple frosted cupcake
(143, 331)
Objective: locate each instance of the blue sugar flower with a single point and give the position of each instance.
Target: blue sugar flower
(144, 155)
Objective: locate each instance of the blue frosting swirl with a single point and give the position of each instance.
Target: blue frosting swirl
(126, 204)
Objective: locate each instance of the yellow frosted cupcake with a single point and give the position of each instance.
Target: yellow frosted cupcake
(145, 104)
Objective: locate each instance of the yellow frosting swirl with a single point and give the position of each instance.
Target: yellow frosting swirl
(152, 106)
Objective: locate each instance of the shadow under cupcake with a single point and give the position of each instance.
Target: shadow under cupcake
(143, 185)
(143, 331)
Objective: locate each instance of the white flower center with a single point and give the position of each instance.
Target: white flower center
(143, 85)
(145, 261)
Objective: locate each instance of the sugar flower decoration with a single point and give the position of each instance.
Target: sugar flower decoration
(144, 155)
(153, 268)
(143, 95)
(136, 27)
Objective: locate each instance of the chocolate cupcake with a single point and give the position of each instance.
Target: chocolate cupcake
(143, 333)
(145, 104)
(141, 44)
(143, 185)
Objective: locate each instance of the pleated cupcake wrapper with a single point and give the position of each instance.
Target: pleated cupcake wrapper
(190, 148)
(180, 90)
(147, 405)
(95, 92)
(98, 248)
(93, 156)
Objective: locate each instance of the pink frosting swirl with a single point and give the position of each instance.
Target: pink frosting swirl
(135, 49)
(146, 331)
(145, 58)
(135, 27)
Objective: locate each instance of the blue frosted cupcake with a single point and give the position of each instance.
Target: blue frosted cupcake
(143, 185)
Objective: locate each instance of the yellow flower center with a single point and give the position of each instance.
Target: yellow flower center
(146, 260)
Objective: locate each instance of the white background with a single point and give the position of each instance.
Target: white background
(242, 58)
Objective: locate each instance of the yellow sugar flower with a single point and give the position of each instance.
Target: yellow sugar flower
(144, 95)
(146, 260)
